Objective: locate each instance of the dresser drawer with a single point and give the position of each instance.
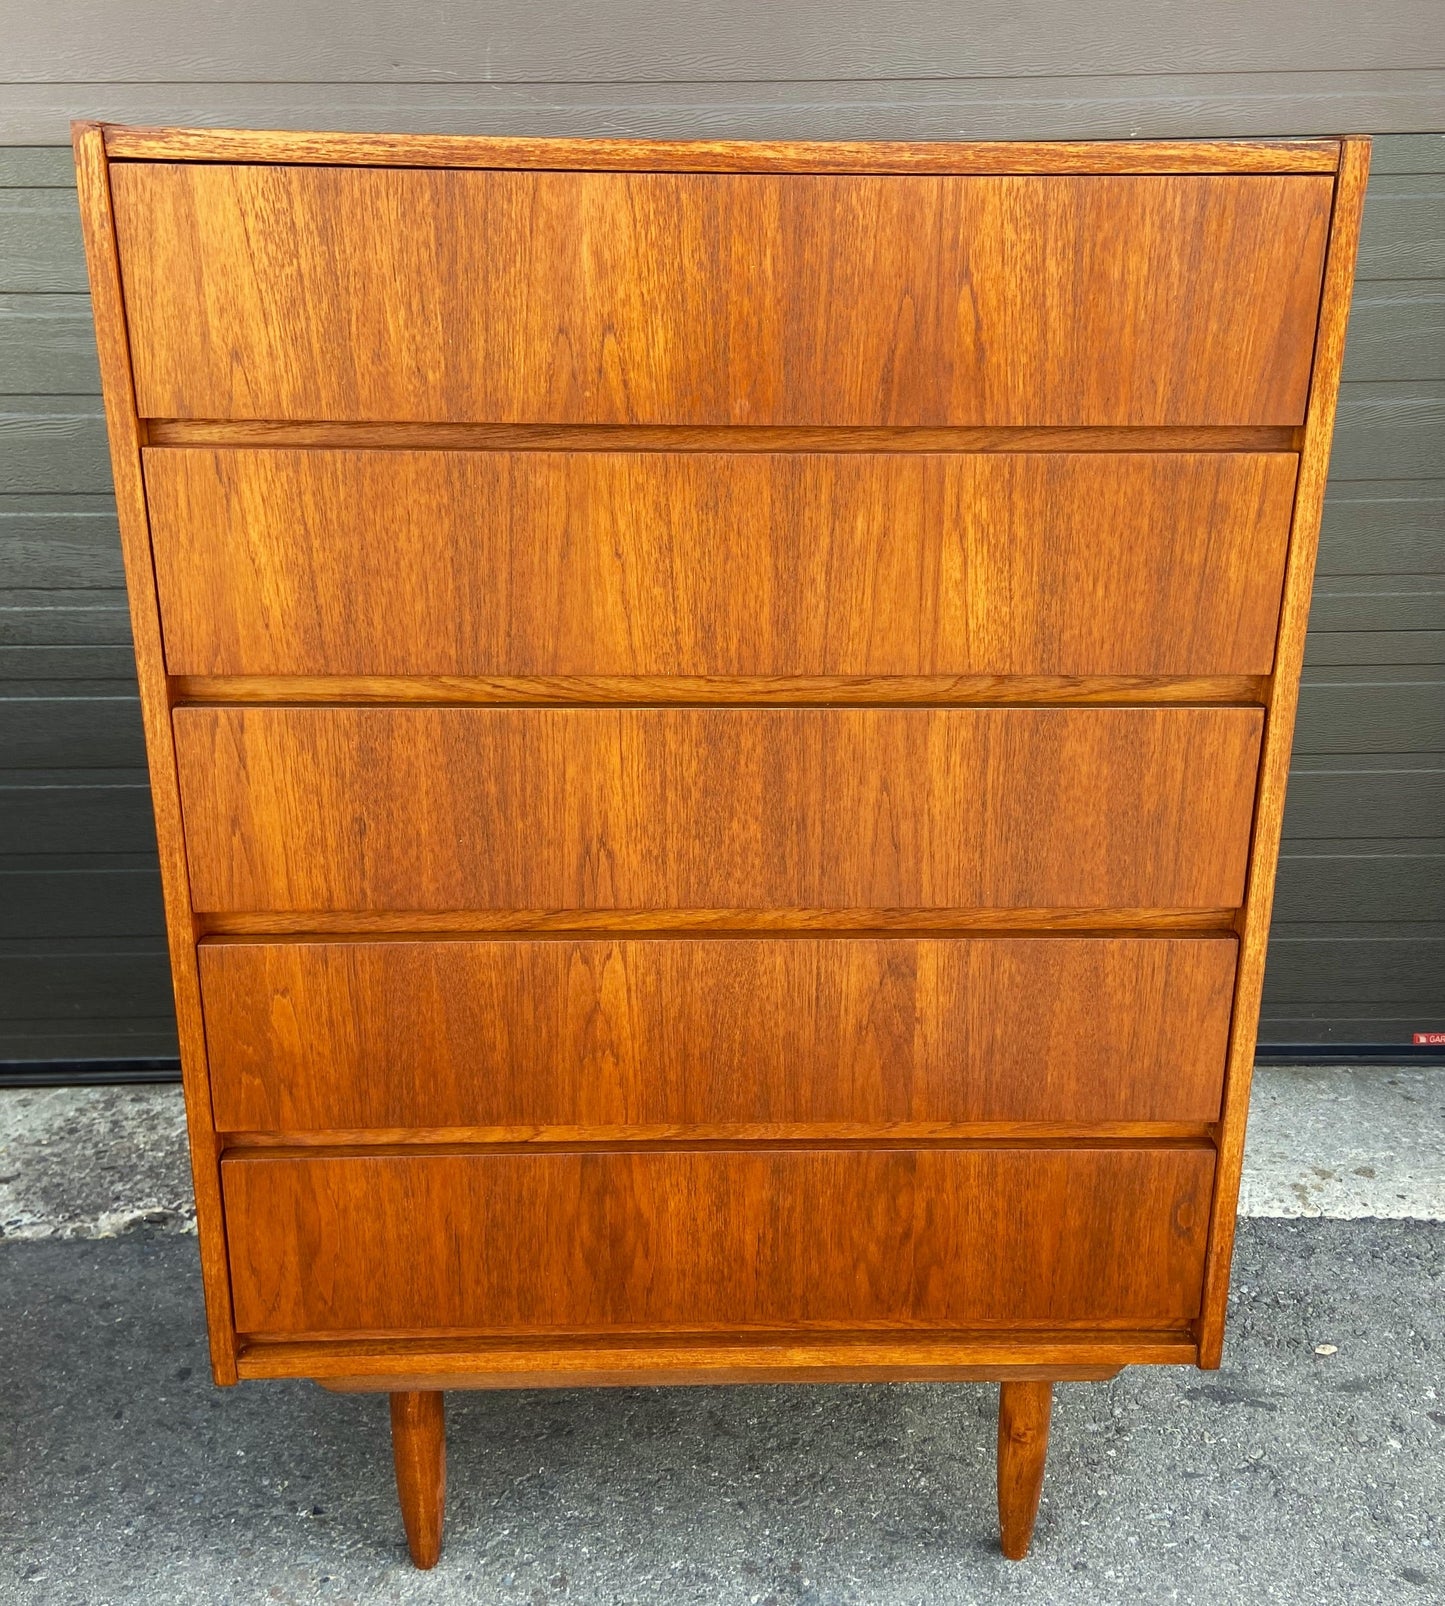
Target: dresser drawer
(415, 809)
(279, 562)
(719, 1239)
(721, 1032)
(661, 298)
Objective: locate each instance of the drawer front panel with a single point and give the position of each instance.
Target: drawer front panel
(724, 1031)
(279, 562)
(720, 1239)
(348, 809)
(534, 297)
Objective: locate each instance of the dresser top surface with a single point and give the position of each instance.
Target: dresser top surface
(781, 156)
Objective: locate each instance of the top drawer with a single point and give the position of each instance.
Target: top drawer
(708, 299)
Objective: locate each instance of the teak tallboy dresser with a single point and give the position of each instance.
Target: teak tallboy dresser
(718, 716)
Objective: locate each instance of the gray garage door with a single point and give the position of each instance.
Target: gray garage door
(1358, 948)
(1358, 951)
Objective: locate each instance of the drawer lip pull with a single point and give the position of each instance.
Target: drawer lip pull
(533, 1139)
(275, 434)
(714, 691)
(559, 924)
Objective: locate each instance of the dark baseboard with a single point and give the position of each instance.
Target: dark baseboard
(1349, 1054)
(87, 1073)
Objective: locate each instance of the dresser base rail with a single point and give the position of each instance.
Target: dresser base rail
(387, 1365)
(697, 1377)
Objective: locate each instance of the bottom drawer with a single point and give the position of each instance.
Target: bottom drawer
(717, 1239)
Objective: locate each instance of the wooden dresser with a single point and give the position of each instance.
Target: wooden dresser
(718, 716)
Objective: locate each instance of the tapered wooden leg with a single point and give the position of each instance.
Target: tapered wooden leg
(1023, 1446)
(419, 1448)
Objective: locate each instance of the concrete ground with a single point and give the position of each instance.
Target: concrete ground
(1310, 1469)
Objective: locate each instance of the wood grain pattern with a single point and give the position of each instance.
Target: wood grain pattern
(867, 1134)
(678, 1032)
(532, 297)
(731, 438)
(749, 156)
(646, 690)
(124, 433)
(1279, 733)
(419, 1453)
(302, 562)
(818, 425)
(562, 1362)
(916, 1368)
(475, 808)
(1023, 1446)
(614, 922)
(717, 1239)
